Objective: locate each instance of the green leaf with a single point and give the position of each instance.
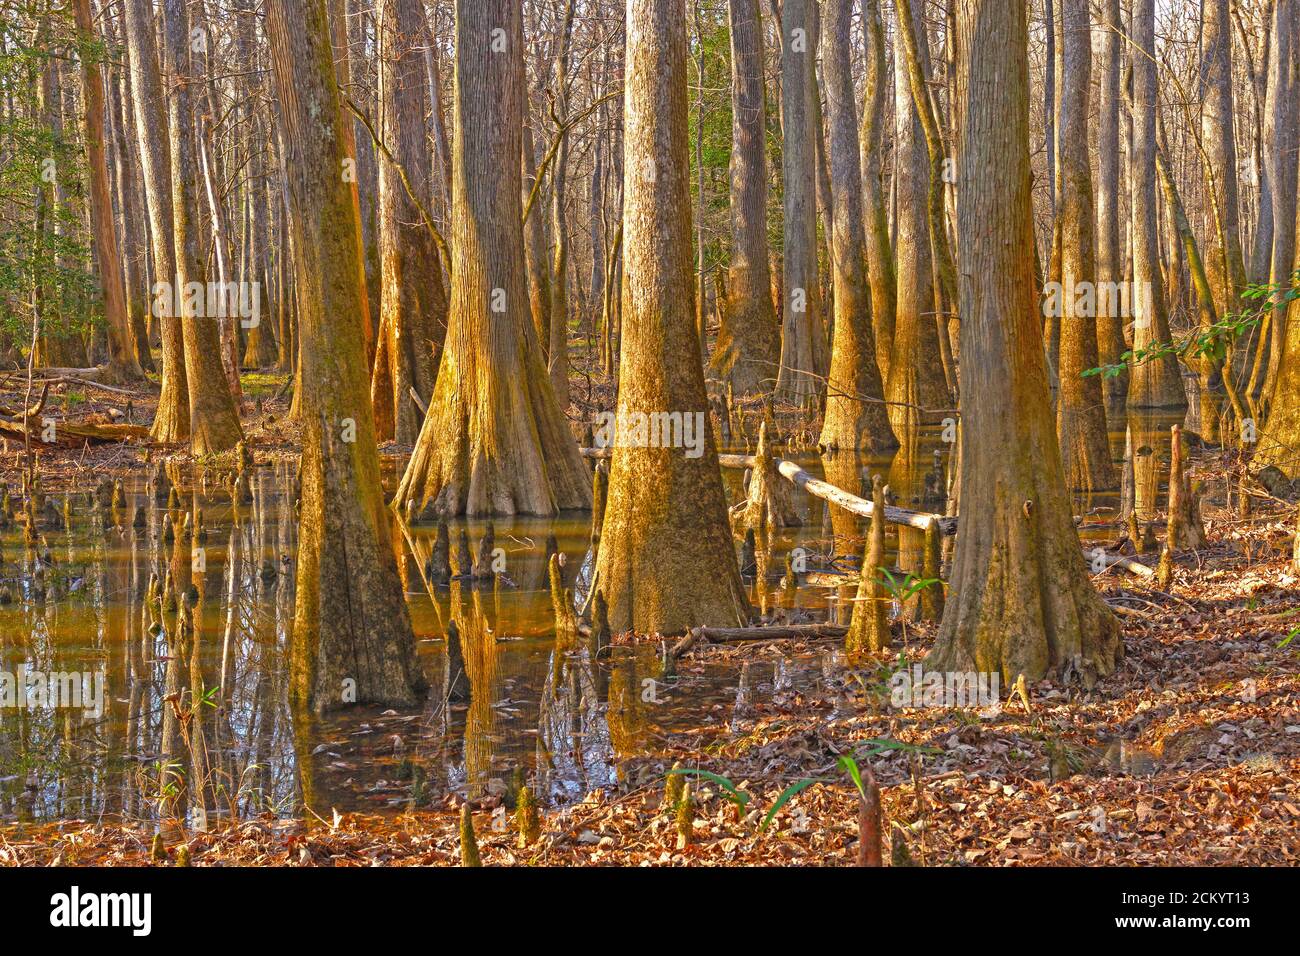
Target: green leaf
(785, 797)
(850, 766)
(738, 797)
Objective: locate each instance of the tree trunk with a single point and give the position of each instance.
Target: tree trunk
(916, 380)
(749, 341)
(214, 421)
(856, 418)
(558, 353)
(1153, 383)
(1081, 414)
(350, 618)
(495, 440)
(172, 419)
(666, 561)
(1279, 440)
(1110, 247)
(1020, 601)
(413, 304)
(122, 365)
(801, 313)
(880, 261)
(1224, 261)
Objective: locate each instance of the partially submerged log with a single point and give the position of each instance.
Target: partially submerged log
(826, 491)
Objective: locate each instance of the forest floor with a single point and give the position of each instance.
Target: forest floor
(1189, 753)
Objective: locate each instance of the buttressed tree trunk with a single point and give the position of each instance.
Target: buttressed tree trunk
(801, 314)
(495, 440)
(1110, 247)
(880, 260)
(916, 379)
(1081, 414)
(1153, 383)
(214, 420)
(1020, 600)
(350, 617)
(413, 303)
(171, 421)
(748, 348)
(666, 560)
(856, 417)
(122, 365)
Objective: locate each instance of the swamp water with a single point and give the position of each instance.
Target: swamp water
(566, 723)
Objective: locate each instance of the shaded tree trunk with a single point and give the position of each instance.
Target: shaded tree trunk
(1153, 383)
(749, 345)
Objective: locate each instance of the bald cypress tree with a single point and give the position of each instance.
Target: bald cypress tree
(495, 440)
(666, 561)
(1020, 601)
(350, 617)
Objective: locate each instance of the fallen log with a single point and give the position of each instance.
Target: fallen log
(1127, 564)
(772, 632)
(826, 491)
(70, 434)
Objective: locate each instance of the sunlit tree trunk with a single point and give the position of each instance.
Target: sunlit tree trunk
(1081, 414)
(172, 419)
(856, 418)
(875, 198)
(122, 365)
(1281, 139)
(495, 440)
(1279, 440)
(558, 353)
(916, 385)
(1019, 601)
(1224, 261)
(352, 637)
(413, 304)
(1110, 246)
(666, 561)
